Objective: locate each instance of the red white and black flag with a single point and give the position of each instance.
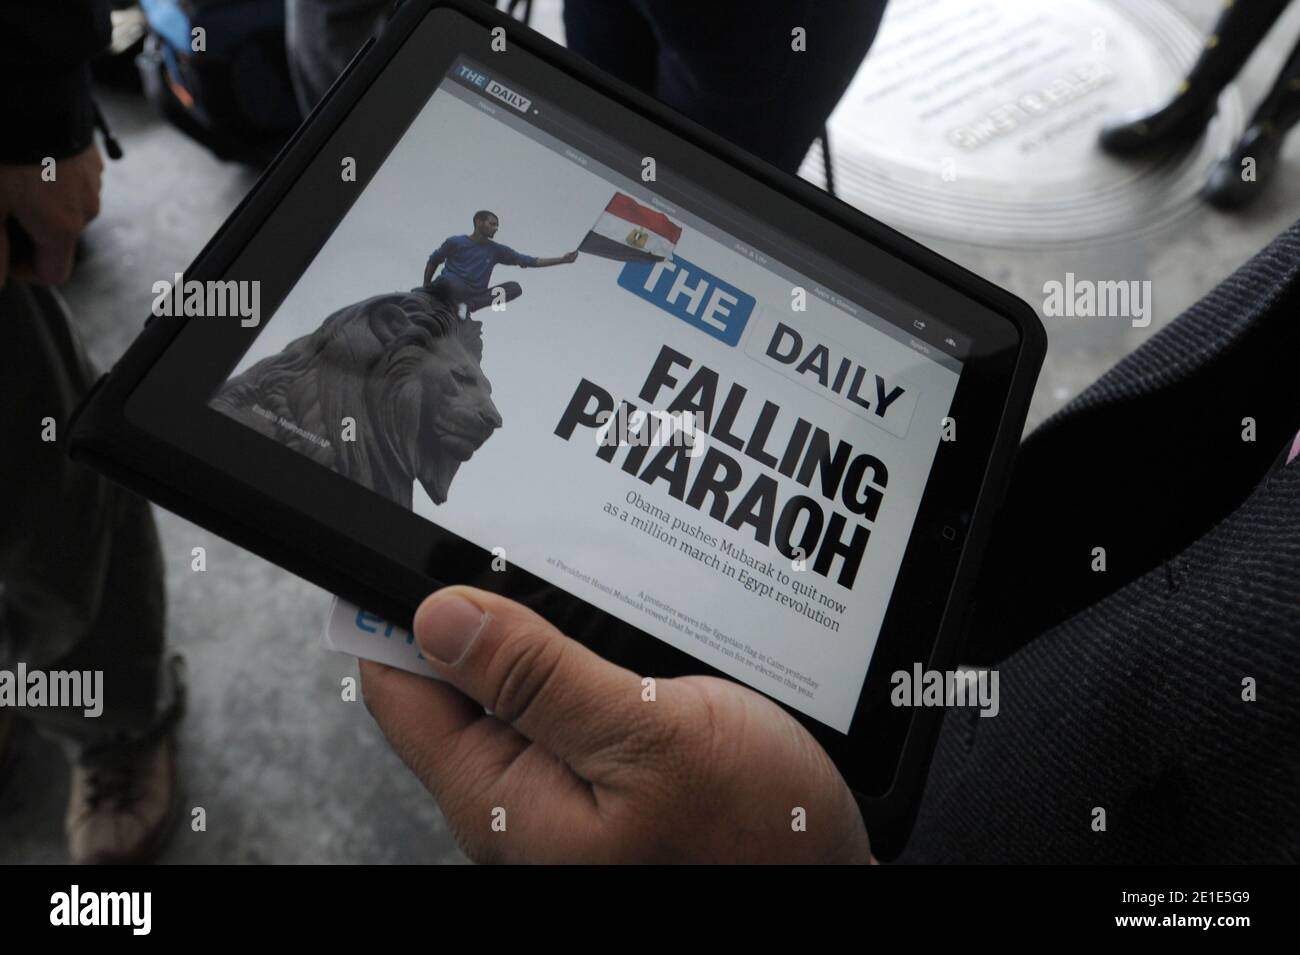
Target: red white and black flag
(630, 232)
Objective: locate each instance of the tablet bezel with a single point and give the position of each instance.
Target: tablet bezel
(152, 418)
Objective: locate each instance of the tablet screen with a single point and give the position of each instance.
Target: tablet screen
(695, 424)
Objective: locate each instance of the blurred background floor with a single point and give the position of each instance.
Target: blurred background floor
(286, 770)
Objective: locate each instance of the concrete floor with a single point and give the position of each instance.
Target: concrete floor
(285, 769)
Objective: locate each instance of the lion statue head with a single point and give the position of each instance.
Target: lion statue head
(402, 369)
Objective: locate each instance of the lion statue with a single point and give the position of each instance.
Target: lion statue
(406, 371)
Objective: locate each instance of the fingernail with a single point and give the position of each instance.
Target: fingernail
(447, 627)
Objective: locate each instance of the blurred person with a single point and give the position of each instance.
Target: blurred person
(1247, 169)
(467, 262)
(322, 36)
(731, 65)
(732, 70)
(81, 581)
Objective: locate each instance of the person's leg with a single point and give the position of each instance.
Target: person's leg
(613, 35)
(1280, 109)
(82, 576)
(738, 73)
(502, 292)
(450, 290)
(440, 288)
(322, 36)
(456, 293)
(475, 299)
(1249, 167)
(1241, 27)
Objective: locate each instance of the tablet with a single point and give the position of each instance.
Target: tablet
(494, 318)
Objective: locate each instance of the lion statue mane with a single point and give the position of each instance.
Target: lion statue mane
(404, 369)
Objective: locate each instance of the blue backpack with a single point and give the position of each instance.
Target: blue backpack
(217, 69)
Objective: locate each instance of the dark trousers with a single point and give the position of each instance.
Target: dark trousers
(727, 64)
(455, 292)
(322, 36)
(81, 581)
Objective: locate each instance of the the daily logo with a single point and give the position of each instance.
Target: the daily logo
(508, 96)
(870, 388)
(74, 907)
(493, 88)
(688, 292)
(472, 76)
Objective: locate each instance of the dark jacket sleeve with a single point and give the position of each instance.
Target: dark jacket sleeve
(45, 49)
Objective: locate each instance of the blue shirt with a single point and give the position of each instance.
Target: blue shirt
(472, 262)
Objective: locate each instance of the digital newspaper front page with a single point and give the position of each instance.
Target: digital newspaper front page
(542, 355)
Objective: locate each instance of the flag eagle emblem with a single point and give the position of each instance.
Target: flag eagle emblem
(628, 231)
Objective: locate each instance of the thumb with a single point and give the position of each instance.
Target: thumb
(550, 688)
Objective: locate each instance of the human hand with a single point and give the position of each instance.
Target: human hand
(576, 765)
(571, 257)
(52, 213)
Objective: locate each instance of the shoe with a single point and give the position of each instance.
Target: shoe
(1180, 122)
(441, 292)
(1225, 188)
(124, 803)
(125, 799)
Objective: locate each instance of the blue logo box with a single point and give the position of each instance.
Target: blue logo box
(688, 292)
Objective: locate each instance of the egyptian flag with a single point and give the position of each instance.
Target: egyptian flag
(630, 232)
